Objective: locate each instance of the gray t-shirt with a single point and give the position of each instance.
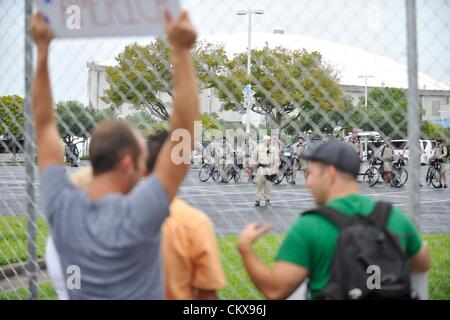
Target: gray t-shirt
(114, 241)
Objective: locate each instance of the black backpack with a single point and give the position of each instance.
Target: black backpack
(365, 243)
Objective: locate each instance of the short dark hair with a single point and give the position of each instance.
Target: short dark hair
(109, 143)
(155, 143)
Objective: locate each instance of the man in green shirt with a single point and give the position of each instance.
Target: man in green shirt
(308, 248)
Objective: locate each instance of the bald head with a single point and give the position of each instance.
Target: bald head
(110, 142)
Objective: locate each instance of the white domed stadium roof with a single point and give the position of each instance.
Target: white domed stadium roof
(350, 62)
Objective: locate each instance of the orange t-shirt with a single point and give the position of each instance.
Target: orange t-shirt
(189, 250)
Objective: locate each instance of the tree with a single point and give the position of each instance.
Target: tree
(324, 123)
(75, 123)
(288, 85)
(433, 131)
(12, 121)
(387, 110)
(141, 120)
(143, 75)
(209, 123)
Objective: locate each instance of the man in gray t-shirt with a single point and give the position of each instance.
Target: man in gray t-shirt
(113, 241)
(109, 233)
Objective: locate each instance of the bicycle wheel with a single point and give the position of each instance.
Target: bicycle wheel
(429, 176)
(205, 173)
(436, 179)
(237, 175)
(215, 174)
(279, 178)
(371, 176)
(229, 174)
(289, 177)
(280, 175)
(400, 177)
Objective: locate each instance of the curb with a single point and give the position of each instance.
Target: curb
(17, 269)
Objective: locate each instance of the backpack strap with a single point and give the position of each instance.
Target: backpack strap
(338, 219)
(380, 214)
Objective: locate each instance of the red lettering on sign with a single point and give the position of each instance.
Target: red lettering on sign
(157, 14)
(93, 11)
(131, 18)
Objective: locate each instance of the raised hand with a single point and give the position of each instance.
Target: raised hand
(180, 32)
(250, 234)
(40, 30)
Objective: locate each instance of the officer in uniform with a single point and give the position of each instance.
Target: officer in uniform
(264, 156)
(299, 164)
(441, 153)
(225, 151)
(247, 149)
(386, 152)
(356, 143)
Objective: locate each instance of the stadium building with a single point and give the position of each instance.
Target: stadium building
(358, 70)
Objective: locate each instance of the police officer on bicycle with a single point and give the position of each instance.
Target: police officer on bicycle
(440, 153)
(299, 164)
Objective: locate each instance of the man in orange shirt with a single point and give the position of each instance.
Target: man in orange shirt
(192, 268)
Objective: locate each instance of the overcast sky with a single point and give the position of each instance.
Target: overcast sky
(377, 26)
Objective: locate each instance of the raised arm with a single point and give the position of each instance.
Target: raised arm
(49, 147)
(277, 282)
(169, 171)
(404, 149)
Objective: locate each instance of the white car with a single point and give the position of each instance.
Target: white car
(367, 138)
(427, 147)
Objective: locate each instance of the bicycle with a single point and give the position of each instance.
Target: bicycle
(399, 173)
(433, 176)
(285, 169)
(376, 170)
(209, 170)
(233, 171)
(372, 174)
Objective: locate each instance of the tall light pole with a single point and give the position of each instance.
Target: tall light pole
(249, 12)
(365, 76)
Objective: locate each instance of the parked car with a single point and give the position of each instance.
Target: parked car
(427, 146)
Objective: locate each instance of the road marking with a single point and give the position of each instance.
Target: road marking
(207, 193)
(220, 194)
(424, 202)
(276, 201)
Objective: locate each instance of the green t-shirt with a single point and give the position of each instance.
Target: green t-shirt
(311, 241)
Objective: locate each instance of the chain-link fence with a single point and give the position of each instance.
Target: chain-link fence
(316, 69)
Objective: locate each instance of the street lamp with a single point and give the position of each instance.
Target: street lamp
(249, 12)
(365, 76)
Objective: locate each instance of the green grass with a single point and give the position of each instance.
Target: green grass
(13, 248)
(240, 286)
(439, 274)
(13, 239)
(45, 292)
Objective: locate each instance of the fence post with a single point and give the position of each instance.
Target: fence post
(32, 265)
(413, 114)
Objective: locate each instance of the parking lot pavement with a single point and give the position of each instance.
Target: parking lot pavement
(231, 206)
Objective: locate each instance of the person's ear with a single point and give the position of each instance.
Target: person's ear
(332, 174)
(126, 163)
